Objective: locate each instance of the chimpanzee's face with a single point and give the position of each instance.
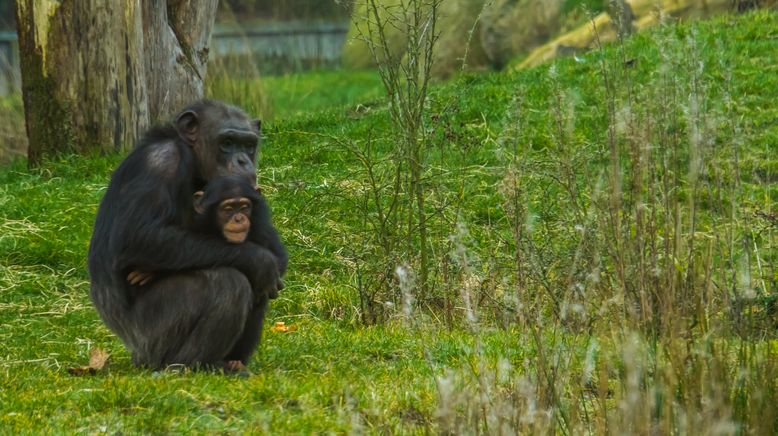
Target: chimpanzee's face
(224, 207)
(233, 219)
(237, 153)
(224, 139)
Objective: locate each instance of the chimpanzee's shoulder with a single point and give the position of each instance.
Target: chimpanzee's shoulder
(159, 152)
(157, 134)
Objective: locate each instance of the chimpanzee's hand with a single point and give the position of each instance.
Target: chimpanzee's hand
(139, 278)
(263, 273)
(272, 291)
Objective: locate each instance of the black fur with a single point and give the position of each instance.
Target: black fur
(208, 298)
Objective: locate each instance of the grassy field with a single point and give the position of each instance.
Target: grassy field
(606, 259)
(284, 96)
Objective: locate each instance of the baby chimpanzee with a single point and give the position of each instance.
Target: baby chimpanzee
(225, 208)
(231, 207)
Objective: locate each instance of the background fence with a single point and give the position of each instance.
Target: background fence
(269, 47)
(10, 75)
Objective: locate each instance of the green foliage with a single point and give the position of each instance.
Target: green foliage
(520, 163)
(13, 138)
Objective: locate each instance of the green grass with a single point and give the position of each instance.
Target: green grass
(419, 375)
(289, 95)
(13, 139)
(304, 93)
(312, 380)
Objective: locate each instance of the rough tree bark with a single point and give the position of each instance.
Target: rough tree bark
(95, 73)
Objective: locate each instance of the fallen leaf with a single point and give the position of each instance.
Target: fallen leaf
(281, 327)
(97, 361)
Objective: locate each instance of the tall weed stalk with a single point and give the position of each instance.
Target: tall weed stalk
(406, 80)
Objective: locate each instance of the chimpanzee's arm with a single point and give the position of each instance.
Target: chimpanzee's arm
(158, 247)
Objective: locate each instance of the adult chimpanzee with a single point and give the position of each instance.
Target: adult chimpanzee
(207, 301)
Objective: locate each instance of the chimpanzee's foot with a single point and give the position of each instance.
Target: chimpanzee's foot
(235, 367)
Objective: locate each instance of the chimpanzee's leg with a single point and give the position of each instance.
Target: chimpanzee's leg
(192, 318)
(252, 333)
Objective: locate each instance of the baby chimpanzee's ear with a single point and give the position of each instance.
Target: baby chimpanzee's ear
(198, 202)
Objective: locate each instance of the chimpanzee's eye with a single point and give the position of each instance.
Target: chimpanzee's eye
(250, 150)
(227, 146)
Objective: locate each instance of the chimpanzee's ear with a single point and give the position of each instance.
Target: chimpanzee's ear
(198, 202)
(257, 125)
(188, 126)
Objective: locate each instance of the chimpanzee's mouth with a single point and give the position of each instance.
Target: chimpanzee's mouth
(235, 237)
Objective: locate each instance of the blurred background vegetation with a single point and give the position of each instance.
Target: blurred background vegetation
(264, 50)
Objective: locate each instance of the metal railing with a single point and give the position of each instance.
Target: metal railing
(10, 70)
(294, 44)
(290, 44)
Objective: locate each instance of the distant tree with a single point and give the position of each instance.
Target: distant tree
(95, 73)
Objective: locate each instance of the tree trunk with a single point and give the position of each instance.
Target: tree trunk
(95, 73)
